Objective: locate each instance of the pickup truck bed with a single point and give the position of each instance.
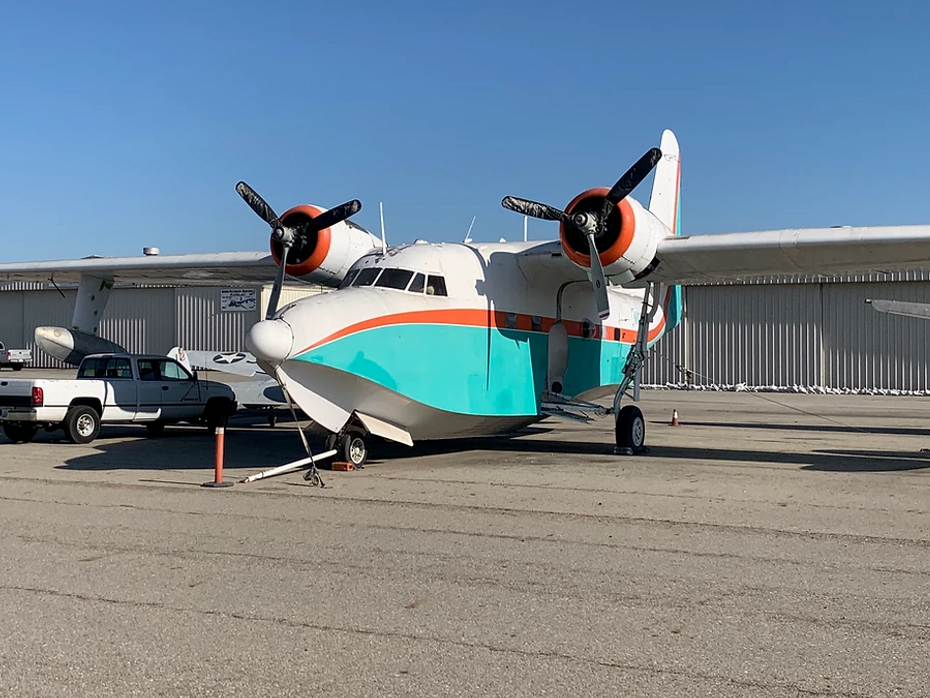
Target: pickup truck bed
(14, 358)
(112, 388)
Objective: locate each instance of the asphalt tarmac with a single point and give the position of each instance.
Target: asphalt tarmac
(771, 545)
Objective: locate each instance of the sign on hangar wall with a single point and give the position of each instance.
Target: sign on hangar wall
(232, 299)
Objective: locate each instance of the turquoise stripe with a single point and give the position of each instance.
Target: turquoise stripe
(468, 370)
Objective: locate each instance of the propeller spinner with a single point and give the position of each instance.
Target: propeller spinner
(292, 237)
(592, 224)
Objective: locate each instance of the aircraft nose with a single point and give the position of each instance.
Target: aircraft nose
(270, 340)
(54, 336)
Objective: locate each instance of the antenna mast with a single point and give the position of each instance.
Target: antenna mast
(383, 238)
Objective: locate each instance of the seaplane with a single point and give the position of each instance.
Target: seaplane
(437, 340)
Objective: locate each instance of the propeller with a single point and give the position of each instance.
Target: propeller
(592, 226)
(291, 236)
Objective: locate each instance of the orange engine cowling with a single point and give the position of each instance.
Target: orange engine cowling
(627, 246)
(325, 256)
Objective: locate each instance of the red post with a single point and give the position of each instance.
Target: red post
(218, 463)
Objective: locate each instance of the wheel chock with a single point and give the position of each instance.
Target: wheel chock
(342, 466)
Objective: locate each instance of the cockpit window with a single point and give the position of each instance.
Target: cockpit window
(366, 277)
(436, 286)
(350, 277)
(394, 278)
(416, 286)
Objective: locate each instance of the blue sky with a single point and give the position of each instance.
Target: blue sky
(129, 124)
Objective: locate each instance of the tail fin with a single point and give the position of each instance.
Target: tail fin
(180, 356)
(665, 204)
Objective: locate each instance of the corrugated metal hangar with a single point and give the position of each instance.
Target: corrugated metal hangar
(799, 331)
(781, 332)
(144, 320)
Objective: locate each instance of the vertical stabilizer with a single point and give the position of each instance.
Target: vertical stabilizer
(665, 204)
(664, 200)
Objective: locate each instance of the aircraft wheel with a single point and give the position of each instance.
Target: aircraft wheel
(630, 429)
(353, 448)
(272, 418)
(82, 424)
(20, 433)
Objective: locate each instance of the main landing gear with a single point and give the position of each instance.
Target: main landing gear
(351, 445)
(630, 426)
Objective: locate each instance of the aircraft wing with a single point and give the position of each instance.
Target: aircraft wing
(202, 269)
(732, 256)
(240, 363)
(776, 252)
(906, 308)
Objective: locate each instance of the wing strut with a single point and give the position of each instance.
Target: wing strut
(633, 368)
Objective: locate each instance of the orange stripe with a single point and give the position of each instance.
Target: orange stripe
(475, 317)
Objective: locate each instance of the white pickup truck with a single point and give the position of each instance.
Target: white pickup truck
(112, 388)
(14, 358)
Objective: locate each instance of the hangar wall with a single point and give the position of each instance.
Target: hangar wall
(776, 332)
(144, 320)
(798, 332)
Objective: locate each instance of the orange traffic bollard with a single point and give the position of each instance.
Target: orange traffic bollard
(218, 467)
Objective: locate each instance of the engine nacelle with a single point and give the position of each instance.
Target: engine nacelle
(326, 256)
(627, 247)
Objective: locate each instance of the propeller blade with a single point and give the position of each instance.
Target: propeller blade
(598, 281)
(533, 209)
(631, 179)
(258, 204)
(337, 214)
(278, 284)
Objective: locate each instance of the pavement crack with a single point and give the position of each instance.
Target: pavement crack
(461, 643)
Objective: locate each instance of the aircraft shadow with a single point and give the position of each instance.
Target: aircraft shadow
(828, 428)
(833, 461)
(252, 449)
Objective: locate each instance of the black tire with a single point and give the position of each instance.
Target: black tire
(630, 429)
(216, 413)
(272, 418)
(353, 448)
(155, 429)
(20, 433)
(82, 424)
(17, 367)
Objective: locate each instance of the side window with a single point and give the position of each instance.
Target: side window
(118, 368)
(173, 371)
(147, 370)
(366, 277)
(394, 278)
(89, 368)
(435, 286)
(350, 277)
(419, 281)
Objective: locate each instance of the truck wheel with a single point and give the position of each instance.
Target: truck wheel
(82, 424)
(155, 429)
(20, 433)
(17, 367)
